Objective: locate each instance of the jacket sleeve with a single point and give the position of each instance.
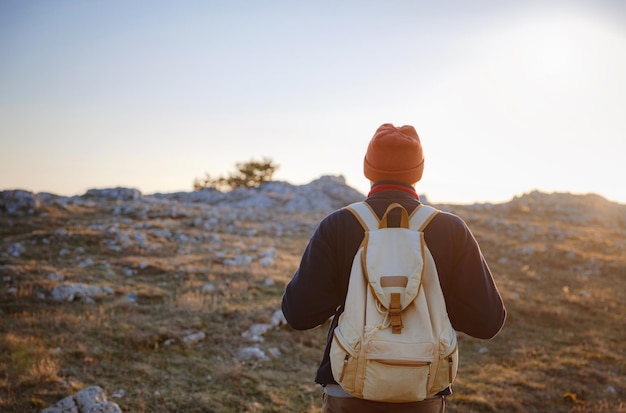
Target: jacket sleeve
(474, 303)
(312, 296)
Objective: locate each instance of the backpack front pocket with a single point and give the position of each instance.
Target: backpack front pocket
(396, 380)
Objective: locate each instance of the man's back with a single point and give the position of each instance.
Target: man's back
(319, 286)
(393, 162)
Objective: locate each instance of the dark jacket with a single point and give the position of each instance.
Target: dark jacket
(318, 289)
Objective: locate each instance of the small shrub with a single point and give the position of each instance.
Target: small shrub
(249, 174)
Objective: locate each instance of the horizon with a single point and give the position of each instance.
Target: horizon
(506, 98)
(421, 195)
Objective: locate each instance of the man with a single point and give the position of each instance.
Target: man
(394, 163)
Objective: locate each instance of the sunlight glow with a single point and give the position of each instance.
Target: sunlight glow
(508, 99)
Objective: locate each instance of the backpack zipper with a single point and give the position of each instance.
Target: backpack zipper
(345, 366)
(340, 343)
(401, 363)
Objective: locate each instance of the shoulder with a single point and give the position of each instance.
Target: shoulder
(339, 216)
(337, 221)
(448, 220)
(448, 228)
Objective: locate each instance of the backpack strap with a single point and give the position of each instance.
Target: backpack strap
(418, 220)
(421, 217)
(365, 215)
(404, 218)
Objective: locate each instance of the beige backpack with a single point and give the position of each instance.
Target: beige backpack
(394, 341)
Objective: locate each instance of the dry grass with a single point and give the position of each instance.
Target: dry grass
(562, 349)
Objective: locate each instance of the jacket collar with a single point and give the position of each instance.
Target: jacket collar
(385, 186)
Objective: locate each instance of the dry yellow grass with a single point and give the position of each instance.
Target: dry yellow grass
(562, 349)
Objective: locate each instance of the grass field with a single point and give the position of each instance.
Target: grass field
(559, 261)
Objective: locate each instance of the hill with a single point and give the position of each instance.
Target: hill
(169, 302)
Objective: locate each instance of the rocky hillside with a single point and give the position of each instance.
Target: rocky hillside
(138, 293)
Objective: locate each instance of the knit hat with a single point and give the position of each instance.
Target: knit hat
(394, 154)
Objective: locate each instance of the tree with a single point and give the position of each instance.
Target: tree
(249, 174)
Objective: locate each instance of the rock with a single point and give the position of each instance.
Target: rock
(194, 338)
(278, 318)
(120, 194)
(119, 394)
(66, 405)
(251, 353)
(89, 400)
(256, 332)
(55, 276)
(78, 291)
(18, 201)
(16, 249)
(87, 262)
(330, 192)
(239, 260)
(274, 352)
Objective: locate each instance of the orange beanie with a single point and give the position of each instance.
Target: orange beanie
(394, 154)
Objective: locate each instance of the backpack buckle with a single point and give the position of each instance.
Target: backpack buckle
(395, 313)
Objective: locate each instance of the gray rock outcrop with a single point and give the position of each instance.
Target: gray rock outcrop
(89, 400)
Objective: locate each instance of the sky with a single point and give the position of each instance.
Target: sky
(507, 96)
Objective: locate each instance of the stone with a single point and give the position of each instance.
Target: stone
(89, 400)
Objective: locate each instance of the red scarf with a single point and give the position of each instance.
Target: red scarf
(393, 187)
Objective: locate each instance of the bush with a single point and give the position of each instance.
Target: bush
(249, 174)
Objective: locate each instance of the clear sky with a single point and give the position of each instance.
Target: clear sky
(507, 96)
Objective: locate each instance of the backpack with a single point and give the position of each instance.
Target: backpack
(394, 341)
